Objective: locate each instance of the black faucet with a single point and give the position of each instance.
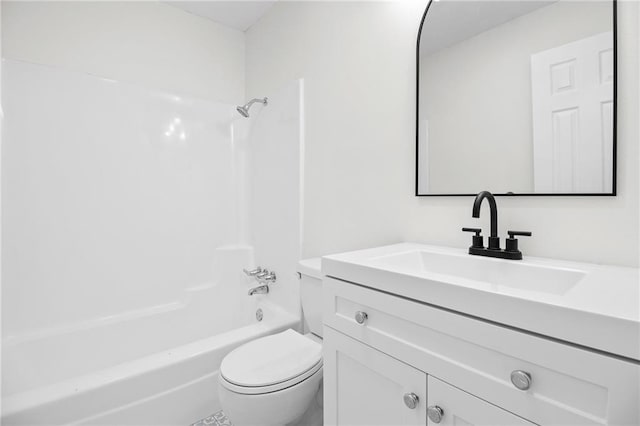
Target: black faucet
(494, 240)
(493, 250)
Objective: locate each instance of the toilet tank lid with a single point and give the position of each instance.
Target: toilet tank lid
(310, 267)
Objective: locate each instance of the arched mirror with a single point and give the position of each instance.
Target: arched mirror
(516, 97)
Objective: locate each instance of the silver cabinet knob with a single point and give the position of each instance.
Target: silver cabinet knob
(435, 413)
(411, 400)
(521, 379)
(361, 317)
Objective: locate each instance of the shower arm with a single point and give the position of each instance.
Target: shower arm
(254, 100)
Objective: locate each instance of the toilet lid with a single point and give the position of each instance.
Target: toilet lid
(271, 359)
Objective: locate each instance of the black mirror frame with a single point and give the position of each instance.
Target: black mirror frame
(615, 121)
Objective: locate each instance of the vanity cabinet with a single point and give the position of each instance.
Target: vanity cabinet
(379, 347)
(372, 386)
(376, 389)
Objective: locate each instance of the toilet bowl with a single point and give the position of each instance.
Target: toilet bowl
(272, 381)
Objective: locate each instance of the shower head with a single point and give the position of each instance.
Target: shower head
(244, 110)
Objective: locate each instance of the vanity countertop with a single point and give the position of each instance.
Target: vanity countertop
(596, 306)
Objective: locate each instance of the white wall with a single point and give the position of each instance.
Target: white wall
(114, 201)
(156, 46)
(357, 109)
(358, 61)
(108, 221)
(145, 42)
(485, 82)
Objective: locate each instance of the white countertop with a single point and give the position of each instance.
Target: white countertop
(601, 311)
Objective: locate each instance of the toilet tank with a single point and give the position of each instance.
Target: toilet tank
(311, 294)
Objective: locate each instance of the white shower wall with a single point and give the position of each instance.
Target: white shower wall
(124, 207)
(275, 149)
(115, 197)
(144, 42)
(73, 243)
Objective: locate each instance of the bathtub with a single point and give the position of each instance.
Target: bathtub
(126, 370)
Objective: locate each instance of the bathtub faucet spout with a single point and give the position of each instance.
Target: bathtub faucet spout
(261, 289)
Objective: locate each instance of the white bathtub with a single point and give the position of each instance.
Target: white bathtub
(156, 366)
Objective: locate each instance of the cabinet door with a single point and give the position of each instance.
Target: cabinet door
(363, 386)
(450, 406)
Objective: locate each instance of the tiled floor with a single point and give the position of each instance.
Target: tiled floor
(216, 419)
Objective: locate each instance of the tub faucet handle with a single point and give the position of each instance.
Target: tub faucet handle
(253, 272)
(259, 276)
(267, 278)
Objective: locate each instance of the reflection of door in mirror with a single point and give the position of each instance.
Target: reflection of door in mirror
(518, 97)
(572, 96)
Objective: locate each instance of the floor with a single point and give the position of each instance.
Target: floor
(216, 419)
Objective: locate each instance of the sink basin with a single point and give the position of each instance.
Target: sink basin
(500, 274)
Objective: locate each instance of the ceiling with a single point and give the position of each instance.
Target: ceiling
(237, 14)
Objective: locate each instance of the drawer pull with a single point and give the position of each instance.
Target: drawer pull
(521, 379)
(411, 400)
(435, 413)
(361, 317)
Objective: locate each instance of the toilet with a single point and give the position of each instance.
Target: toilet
(273, 380)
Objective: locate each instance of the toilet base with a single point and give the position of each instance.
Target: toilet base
(313, 416)
(284, 407)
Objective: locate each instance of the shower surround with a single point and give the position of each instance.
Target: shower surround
(128, 215)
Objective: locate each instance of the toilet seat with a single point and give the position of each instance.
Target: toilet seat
(258, 390)
(271, 363)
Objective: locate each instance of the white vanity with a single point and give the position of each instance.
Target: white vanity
(418, 334)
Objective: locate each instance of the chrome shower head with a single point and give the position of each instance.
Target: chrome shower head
(244, 110)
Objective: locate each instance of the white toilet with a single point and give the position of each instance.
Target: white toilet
(272, 381)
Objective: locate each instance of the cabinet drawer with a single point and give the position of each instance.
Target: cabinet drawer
(569, 385)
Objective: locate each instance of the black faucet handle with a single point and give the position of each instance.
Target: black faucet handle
(477, 241)
(519, 233)
(512, 243)
(476, 230)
